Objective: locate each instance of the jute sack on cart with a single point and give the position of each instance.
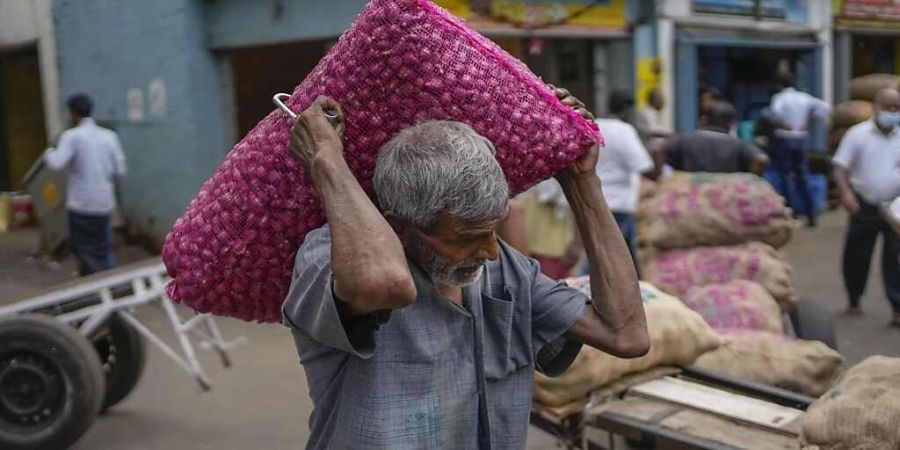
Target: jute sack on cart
(677, 271)
(736, 305)
(694, 209)
(677, 336)
(867, 86)
(402, 62)
(809, 367)
(861, 412)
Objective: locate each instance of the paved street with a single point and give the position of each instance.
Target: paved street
(262, 401)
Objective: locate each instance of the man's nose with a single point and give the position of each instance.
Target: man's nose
(490, 249)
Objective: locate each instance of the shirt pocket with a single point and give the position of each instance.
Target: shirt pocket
(506, 340)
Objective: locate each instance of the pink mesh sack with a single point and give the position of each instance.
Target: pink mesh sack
(400, 63)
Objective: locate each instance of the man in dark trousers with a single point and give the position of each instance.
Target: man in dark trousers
(711, 148)
(94, 158)
(794, 110)
(867, 172)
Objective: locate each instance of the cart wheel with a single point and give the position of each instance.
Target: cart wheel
(51, 384)
(813, 322)
(122, 353)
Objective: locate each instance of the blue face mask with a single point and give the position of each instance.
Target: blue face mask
(886, 119)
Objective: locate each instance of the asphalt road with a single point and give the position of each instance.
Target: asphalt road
(262, 401)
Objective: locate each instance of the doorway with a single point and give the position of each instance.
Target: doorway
(22, 129)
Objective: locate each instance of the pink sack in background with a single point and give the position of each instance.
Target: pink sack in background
(736, 305)
(400, 63)
(677, 271)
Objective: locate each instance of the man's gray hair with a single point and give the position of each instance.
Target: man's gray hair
(440, 167)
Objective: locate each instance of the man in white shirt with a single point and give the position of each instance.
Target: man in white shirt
(621, 164)
(94, 157)
(867, 172)
(794, 110)
(649, 121)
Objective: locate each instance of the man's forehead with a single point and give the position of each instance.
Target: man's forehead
(888, 97)
(460, 226)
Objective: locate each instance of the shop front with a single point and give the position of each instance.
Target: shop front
(867, 40)
(737, 47)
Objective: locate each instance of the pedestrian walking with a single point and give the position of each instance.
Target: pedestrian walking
(794, 111)
(867, 172)
(416, 326)
(94, 158)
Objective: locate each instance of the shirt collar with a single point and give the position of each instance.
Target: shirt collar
(87, 121)
(714, 129)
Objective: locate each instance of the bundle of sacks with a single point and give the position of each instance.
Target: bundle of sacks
(714, 239)
(402, 62)
(859, 108)
(677, 337)
(861, 412)
(694, 209)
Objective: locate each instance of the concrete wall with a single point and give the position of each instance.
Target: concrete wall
(241, 23)
(154, 81)
(17, 24)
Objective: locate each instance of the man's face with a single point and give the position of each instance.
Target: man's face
(659, 102)
(454, 253)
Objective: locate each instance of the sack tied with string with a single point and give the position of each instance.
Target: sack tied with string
(402, 62)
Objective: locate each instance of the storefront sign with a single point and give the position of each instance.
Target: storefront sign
(532, 15)
(867, 13)
(790, 10)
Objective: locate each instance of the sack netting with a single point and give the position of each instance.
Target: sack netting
(402, 62)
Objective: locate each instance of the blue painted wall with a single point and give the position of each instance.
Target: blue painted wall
(239, 23)
(106, 48)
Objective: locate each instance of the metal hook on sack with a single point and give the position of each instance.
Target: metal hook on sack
(280, 98)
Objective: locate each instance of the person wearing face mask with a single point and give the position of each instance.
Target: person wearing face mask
(867, 172)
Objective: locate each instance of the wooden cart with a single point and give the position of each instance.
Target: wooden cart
(670, 408)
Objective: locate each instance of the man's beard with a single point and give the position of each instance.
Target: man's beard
(440, 270)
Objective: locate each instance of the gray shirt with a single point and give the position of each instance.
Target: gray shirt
(710, 150)
(436, 375)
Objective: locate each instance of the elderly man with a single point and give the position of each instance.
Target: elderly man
(867, 172)
(649, 123)
(417, 327)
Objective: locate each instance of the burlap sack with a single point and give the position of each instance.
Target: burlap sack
(676, 271)
(809, 367)
(861, 412)
(865, 87)
(698, 209)
(736, 305)
(677, 335)
(849, 113)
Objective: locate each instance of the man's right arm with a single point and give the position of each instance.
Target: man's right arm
(369, 265)
(843, 160)
(58, 158)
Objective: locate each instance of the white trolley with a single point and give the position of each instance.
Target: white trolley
(76, 350)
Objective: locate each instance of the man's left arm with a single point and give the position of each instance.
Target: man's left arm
(615, 322)
(121, 169)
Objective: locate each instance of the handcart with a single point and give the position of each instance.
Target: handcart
(671, 408)
(76, 350)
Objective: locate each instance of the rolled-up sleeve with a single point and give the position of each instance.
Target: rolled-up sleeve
(311, 308)
(555, 308)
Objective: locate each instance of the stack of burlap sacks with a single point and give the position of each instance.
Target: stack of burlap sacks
(712, 240)
(715, 289)
(859, 107)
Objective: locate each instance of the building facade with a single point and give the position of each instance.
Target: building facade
(866, 41)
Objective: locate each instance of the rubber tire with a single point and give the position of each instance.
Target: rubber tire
(77, 362)
(812, 321)
(123, 373)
